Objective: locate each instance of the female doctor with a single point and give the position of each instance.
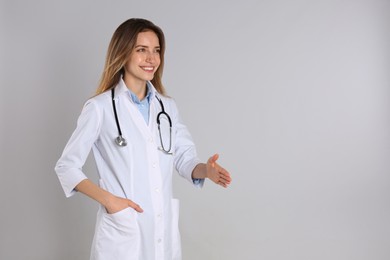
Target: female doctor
(137, 137)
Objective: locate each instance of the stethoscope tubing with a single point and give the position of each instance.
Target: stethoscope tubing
(121, 141)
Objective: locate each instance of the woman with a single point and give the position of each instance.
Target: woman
(137, 137)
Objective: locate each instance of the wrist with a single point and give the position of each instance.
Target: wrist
(200, 171)
(107, 199)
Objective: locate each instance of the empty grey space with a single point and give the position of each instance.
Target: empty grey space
(293, 95)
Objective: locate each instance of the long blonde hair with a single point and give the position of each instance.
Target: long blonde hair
(122, 43)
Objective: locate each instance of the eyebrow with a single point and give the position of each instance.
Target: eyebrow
(144, 46)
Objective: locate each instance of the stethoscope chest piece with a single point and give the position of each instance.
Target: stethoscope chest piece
(120, 141)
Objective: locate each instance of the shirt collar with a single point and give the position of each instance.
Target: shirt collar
(136, 100)
(122, 88)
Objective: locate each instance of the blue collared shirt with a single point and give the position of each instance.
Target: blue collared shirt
(144, 104)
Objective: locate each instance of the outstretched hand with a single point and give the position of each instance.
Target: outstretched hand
(216, 173)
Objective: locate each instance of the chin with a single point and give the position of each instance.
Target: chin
(149, 78)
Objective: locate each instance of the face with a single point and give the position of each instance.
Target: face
(144, 60)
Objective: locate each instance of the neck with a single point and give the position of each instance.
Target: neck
(137, 87)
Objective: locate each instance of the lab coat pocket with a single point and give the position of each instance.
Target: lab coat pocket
(176, 243)
(118, 235)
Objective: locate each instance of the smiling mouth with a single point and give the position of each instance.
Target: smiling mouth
(148, 69)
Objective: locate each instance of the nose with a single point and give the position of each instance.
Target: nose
(150, 57)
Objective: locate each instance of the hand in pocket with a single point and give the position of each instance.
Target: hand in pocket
(116, 204)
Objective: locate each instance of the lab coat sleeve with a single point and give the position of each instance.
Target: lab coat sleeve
(69, 166)
(185, 155)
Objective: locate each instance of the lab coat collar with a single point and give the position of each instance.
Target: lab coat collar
(121, 89)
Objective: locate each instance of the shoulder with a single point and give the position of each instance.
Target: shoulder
(100, 99)
(95, 106)
(166, 99)
(168, 102)
(99, 102)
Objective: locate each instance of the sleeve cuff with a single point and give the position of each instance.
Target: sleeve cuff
(198, 182)
(187, 173)
(69, 181)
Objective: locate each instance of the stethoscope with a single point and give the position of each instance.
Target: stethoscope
(121, 141)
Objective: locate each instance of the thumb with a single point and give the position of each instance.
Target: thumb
(213, 159)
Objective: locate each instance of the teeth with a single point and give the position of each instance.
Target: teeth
(148, 68)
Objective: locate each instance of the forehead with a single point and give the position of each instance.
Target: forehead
(148, 38)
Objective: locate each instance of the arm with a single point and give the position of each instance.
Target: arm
(112, 203)
(69, 166)
(213, 171)
(186, 160)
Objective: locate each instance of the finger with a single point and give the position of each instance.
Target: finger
(225, 176)
(222, 184)
(135, 206)
(223, 173)
(225, 179)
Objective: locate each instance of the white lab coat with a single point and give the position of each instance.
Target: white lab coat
(138, 171)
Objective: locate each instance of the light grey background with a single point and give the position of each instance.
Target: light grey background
(294, 95)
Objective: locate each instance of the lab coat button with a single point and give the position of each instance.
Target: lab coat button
(159, 240)
(157, 190)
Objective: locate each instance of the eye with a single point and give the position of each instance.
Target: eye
(157, 50)
(141, 50)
